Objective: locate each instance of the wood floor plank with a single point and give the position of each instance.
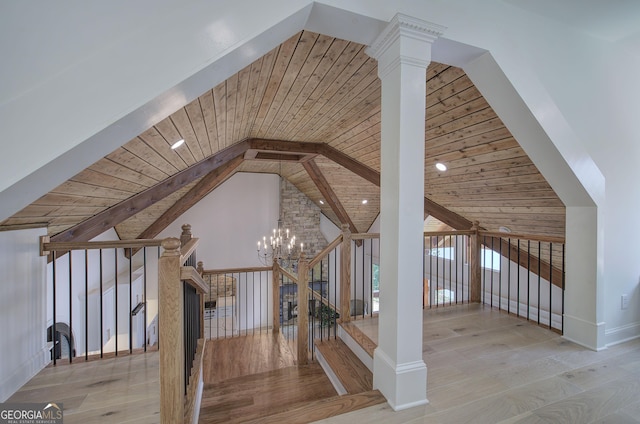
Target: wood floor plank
(325, 408)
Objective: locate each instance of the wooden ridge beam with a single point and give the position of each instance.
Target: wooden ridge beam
(327, 192)
(114, 215)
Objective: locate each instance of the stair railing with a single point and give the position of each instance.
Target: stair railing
(181, 339)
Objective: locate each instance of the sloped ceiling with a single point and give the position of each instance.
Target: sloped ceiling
(310, 89)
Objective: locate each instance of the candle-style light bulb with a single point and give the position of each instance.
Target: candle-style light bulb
(258, 245)
(301, 247)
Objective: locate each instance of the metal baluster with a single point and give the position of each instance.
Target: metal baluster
(86, 304)
(53, 327)
(130, 301)
(101, 311)
(70, 309)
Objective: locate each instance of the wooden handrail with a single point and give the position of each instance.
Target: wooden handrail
(362, 236)
(325, 301)
(191, 276)
(235, 270)
(187, 249)
(545, 239)
(325, 251)
(49, 246)
(448, 233)
(289, 275)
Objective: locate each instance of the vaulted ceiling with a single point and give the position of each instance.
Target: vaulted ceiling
(309, 110)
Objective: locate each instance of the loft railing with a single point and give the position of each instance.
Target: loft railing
(103, 297)
(521, 274)
(524, 275)
(446, 268)
(239, 301)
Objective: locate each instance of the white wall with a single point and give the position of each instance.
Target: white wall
(561, 67)
(22, 301)
(230, 220)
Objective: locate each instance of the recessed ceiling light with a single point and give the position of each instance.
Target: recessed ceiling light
(365, 201)
(177, 144)
(504, 229)
(322, 202)
(441, 166)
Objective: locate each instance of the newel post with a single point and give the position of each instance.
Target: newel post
(345, 274)
(186, 234)
(303, 310)
(275, 282)
(475, 280)
(171, 337)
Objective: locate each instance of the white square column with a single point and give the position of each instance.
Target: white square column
(403, 51)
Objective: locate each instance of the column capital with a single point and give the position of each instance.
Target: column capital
(421, 34)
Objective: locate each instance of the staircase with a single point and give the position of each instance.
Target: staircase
(292, 394)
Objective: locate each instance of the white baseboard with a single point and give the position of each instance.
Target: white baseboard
(622, 334)
(24, 373)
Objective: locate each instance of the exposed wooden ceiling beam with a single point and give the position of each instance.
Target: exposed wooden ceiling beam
(430, 207)
(351, 164)
(284, 147)
(207, 184)
(327, 192)
(113, 216)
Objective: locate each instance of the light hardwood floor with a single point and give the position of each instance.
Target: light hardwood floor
(484, 366)
(115, 390)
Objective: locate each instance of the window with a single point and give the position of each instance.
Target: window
(375, 284)
(443, 252)
(490, 259)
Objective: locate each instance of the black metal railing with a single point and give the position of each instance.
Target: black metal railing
(192, 330)
(238, 302)
(100, 295)
(525, 276)
(446, 269)
(365, 271)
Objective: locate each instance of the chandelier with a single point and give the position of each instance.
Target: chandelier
(281, 246)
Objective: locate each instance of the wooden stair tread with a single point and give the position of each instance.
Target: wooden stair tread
(254, 396)
(352, 373)
(324, 408)
(361, 338)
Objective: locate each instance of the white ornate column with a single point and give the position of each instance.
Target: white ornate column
(403, 51)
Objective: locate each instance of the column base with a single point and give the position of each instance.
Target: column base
(403, 385)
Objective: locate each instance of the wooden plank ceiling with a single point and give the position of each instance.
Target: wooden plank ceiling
(310, 89)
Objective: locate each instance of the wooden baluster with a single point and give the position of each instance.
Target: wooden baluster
(275, 281)
(345, 275)
(303, 310)
(475, 279)
(171, 337)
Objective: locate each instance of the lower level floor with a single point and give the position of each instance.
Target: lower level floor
(483, 366)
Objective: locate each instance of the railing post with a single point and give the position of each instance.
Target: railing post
(303, 310)
(275, 282)
(200, 269)
(474, 265)
(171, 327)
(345, 274)
(186, 234)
